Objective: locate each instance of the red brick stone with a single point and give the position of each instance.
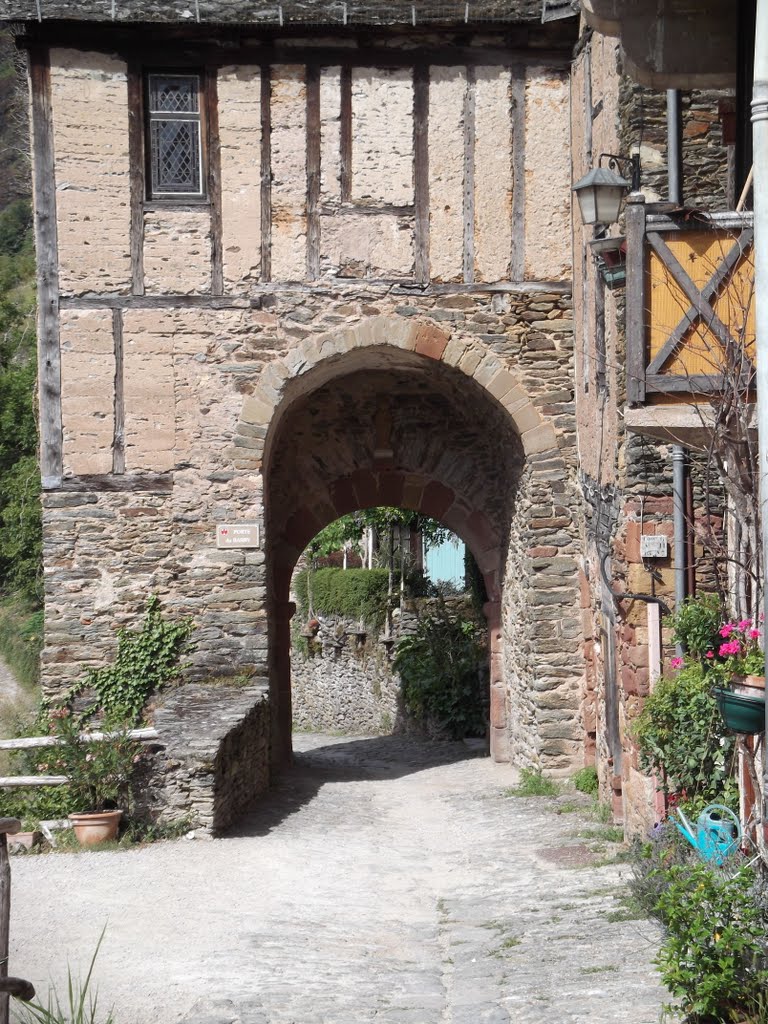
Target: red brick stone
(431, 341)
(437, 499)
(542, 552)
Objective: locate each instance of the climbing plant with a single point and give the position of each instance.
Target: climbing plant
(146, 660)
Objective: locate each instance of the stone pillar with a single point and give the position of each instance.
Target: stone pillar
(499, 739)
(282, 723)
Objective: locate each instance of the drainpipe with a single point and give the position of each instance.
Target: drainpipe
(760, 156)
(675, 189)
(674, 148)
(678, 500)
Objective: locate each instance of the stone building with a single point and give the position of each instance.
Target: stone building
(299, 259)
(292, 266)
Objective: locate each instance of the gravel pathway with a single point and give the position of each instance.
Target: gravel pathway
(383, 880)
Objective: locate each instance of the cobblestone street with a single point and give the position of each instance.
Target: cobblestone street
(383, 880)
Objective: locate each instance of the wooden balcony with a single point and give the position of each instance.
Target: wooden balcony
(690, 319)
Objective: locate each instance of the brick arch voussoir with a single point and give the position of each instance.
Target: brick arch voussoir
(424, 338)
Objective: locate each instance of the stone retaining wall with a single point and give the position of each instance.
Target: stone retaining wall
(214, 760)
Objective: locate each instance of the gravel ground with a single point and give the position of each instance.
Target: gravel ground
(383, 880)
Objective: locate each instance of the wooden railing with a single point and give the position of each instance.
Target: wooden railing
(32, 742)
(689, 306)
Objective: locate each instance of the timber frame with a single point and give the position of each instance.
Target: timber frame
(648, 232)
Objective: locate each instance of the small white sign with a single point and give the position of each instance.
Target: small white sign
(237, 535)
(653, 547)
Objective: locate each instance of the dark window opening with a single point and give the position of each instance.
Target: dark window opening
(175, 136)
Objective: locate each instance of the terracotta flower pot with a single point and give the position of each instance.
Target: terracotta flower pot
(92, 829)
(749, 686)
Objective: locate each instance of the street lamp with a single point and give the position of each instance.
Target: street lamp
(601, 191)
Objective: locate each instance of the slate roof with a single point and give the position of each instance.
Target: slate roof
(275, 14)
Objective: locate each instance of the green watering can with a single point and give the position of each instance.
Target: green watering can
(716, 835)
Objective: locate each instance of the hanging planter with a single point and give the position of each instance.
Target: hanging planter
(741, 713)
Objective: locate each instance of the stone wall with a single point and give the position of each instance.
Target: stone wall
(214, 758)
(626, 478)
(342, 680)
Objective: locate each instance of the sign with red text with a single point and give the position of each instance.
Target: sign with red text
(237, 535)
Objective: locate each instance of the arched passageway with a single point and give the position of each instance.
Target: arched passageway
(393, 413)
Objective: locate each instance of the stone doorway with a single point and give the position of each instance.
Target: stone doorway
(393, 411)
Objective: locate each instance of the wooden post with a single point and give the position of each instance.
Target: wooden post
(8, 826)
(136, 161)
(313, 172)
(421, 170)
(266, 173)
(635, 302)
(47, 250)
(469, 178)
(214, 179)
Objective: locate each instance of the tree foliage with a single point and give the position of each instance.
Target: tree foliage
(20, 513)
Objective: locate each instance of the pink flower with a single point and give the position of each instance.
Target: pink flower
(726, 630)
(733, 647)
(754, 634)
(710, 654)
(745, 624)
(676, 663)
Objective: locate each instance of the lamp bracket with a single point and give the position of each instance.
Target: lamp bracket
(619, 163)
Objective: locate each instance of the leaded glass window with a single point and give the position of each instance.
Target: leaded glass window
(175, 142)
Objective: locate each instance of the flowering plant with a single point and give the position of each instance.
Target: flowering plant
(99, 771)
(739, 650)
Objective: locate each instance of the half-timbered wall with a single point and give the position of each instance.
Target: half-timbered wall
(362, 213)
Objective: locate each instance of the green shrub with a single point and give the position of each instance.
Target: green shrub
(682, 737)
(534, 783)
(714, 953)
(697, 623)
(442, 667)
(357, 594)
(585, 780)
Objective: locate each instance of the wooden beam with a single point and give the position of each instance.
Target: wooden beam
(421, 170)
(692, 293)
(266, 174)
(345, 133)
(517, 114)
(469, 177)
(635, 300)
(150, 483)
(262, 294)
(35, 742)
(118, 443)
(709, 292)
(136, 172)
(313, 171)
(31, 782)
(694, 383)
(47, 249)
(214, 178)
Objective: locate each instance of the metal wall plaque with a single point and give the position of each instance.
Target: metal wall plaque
(653, 547)
(237, 535)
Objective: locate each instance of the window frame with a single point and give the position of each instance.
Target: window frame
(165, 199)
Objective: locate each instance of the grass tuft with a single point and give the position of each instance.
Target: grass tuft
(533, 783)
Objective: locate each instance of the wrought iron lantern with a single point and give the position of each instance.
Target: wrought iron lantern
(601, 191)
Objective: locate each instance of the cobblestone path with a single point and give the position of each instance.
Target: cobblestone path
(384, 880)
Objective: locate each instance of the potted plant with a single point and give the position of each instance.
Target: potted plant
(740, 663)
(99, 773)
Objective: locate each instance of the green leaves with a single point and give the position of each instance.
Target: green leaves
(146, 660)
(356, 594)
(442, 670)
(682, 737)
(715, 953)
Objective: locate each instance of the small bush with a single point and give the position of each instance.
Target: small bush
(534, 783)
(682, 737)
(714, 954)
(585, 780)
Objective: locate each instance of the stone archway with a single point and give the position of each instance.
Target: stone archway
(466, 445)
